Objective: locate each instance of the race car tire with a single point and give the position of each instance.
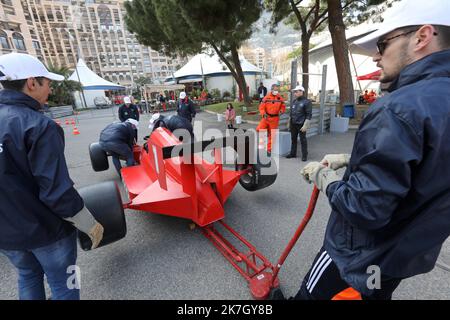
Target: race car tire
(104, 202)
(254, 179)
(99, 158)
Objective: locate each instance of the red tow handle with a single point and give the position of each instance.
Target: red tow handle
(298, 232)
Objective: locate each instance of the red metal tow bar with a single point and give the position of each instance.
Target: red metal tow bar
(260, 274)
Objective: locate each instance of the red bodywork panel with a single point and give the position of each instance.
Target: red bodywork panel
(172, 187)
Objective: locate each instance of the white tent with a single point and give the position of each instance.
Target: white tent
(215, 73)
(93, 85)
(210, 65)
(90, 80)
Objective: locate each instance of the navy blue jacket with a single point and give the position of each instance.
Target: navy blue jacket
(392, 208)
(186, 109)
(128, 112)
(301, 110)
(175, 122)
(117, 136)
(36, 192)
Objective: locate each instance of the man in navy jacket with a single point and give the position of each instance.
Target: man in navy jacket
(118, 139)
(40, 208)
(391, 210)
(185, 107)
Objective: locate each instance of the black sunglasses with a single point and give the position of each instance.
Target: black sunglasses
(382, 44)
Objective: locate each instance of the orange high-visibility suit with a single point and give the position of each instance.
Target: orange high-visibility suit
(270, 109)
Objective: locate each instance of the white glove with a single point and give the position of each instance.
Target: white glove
(336, 161)
(85, 222)
(305, 126)
(320, 175)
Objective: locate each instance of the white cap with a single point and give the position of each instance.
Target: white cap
(134, 122)
(19, 66)
(154, 118)
(298, 88)
(182, 95)
(126, 100)
(407, 13)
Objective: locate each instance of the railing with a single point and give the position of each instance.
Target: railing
(314, 127)
(58, 112)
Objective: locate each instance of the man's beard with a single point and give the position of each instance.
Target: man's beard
(403, 60)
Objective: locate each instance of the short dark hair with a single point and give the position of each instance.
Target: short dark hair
(443, 36)
(18, 85)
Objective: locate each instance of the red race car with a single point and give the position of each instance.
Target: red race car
(171, 178)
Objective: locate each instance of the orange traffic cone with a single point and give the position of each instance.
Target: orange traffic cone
(73, 122)
(75, 131)
(67, 121)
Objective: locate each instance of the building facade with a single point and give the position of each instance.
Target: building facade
(60, 31)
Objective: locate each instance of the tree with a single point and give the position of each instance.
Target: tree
(352, 12)
(340, 51)
(312, 18)
(187, 27)
(302, 18)
(62, 91)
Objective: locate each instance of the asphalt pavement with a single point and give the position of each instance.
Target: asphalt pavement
(162, 258)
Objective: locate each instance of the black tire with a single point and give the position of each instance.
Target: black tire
(104, 202)
(99, 158)
(255, 180)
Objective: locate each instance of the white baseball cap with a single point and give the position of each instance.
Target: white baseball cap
(182, 95)
(154, 118)
(126, 100)
(298, 88)
(134, 122)
(19, 66)
(407, 13)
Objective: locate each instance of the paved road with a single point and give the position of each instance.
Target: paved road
(161, 258)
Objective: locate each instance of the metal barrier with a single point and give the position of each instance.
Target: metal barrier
(314, 128)
(59, 112)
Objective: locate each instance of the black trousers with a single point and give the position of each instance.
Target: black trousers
(295, 131)
(323, 282)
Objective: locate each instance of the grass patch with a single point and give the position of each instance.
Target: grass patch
(238, 107)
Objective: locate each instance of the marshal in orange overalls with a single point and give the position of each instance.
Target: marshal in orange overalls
(270, 109)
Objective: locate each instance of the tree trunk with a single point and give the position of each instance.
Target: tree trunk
(240, 77)
(236, 71)
(305, 62)
(340, 51)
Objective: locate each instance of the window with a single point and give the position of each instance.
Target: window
(18, 41)
(4, 40)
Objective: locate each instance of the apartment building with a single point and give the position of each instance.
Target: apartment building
(256, 56)
(59, 31)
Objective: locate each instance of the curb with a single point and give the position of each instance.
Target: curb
(243, 121)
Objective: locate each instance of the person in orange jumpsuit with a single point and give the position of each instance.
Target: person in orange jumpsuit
(270, 108)
(372, 97)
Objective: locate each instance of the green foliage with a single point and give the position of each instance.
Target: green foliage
(215, 93)
(186, 27)
(226, 94)
(62, 91)
(356, 12)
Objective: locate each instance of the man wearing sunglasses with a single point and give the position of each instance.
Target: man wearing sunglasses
(391, 209)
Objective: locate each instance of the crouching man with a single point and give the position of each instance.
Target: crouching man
(118, 140)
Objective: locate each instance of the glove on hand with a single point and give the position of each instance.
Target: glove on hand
(85, 222)
(336, 161)
(320, 175)
(305, 126)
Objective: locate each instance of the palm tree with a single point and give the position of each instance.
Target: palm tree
(62, 91)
